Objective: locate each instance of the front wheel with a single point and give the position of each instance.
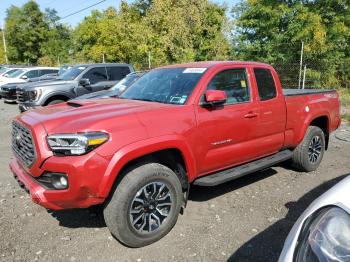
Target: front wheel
(55, 102)
(145, 205)
(308, 155)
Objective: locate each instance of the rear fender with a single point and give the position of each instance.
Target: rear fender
(308, 120)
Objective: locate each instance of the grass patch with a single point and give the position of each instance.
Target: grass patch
(345, 103)
(345, 97)
(346, 117)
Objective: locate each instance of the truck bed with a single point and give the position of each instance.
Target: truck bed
(300, 92)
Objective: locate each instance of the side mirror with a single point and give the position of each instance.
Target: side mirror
(84, 82)
(214, 98)
(24, 77)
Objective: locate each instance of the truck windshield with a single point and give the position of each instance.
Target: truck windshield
(71, 73)
(165, 85)
(15, 73)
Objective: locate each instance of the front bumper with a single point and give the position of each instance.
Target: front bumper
(8, 95)
(84, 175)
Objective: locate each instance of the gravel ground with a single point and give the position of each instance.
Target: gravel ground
(244, 220)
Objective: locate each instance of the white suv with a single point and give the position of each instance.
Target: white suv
(24, 74)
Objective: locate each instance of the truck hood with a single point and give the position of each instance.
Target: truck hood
(91, 115)
(38, 84)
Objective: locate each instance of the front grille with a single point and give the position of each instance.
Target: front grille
(8, 93)
(22, 95)
(23, 144)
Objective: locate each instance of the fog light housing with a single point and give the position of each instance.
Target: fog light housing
(54, 181)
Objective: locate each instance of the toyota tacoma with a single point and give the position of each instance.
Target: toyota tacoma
(203, 123)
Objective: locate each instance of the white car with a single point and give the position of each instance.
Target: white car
(24, 74)
(322, 232)
(6, 70)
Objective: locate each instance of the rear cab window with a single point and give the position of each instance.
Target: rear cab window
(265, 84)
(116, 73)
(47, 71)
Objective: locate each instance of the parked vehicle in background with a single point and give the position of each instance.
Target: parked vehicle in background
(64, 68)
(8, 91)
(5, 71)
(204, 123)
(77, 81)
(322, 232)
(115, 90)
(6, 68)
(51, 76)
(24, 74)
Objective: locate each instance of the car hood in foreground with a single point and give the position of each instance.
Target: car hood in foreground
(338, 195)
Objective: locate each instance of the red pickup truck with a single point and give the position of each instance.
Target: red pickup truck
(202, 123)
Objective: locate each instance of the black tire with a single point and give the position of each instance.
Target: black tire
(303, 156)
(54, 102)
(117, 211)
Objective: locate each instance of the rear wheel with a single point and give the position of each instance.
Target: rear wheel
(308, 155)
(145, 205)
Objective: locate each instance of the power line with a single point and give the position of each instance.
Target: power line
(73, 6)
(81, 10)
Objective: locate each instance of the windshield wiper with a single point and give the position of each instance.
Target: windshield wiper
(147, 100)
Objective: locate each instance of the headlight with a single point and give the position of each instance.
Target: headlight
(325, 237)
(34, 94)
(76, 144)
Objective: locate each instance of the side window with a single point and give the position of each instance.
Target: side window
(266, 84)
(95, 75)
(117, 72)
(32, 74)
(234, 82)
(46, 71)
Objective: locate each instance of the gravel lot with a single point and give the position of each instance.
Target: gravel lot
(244, 220)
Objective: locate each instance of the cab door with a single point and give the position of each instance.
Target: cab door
(271, 122)
(225, 132)
(98, 80)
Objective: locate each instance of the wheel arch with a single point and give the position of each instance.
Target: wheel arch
(174, 154)
(322, 121)
(53, 97)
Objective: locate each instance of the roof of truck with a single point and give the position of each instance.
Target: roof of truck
(208, 64)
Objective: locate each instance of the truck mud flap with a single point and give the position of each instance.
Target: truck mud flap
(242, 170)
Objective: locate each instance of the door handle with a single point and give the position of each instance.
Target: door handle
(251, 115)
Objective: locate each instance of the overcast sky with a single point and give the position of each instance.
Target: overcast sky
(66, 7)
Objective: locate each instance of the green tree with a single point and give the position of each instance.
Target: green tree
(58, 42)
(25, 29)
(35, 37)
(272, 31)
(170, 31)
(2, 52)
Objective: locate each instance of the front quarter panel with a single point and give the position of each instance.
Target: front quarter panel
(142, 148)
